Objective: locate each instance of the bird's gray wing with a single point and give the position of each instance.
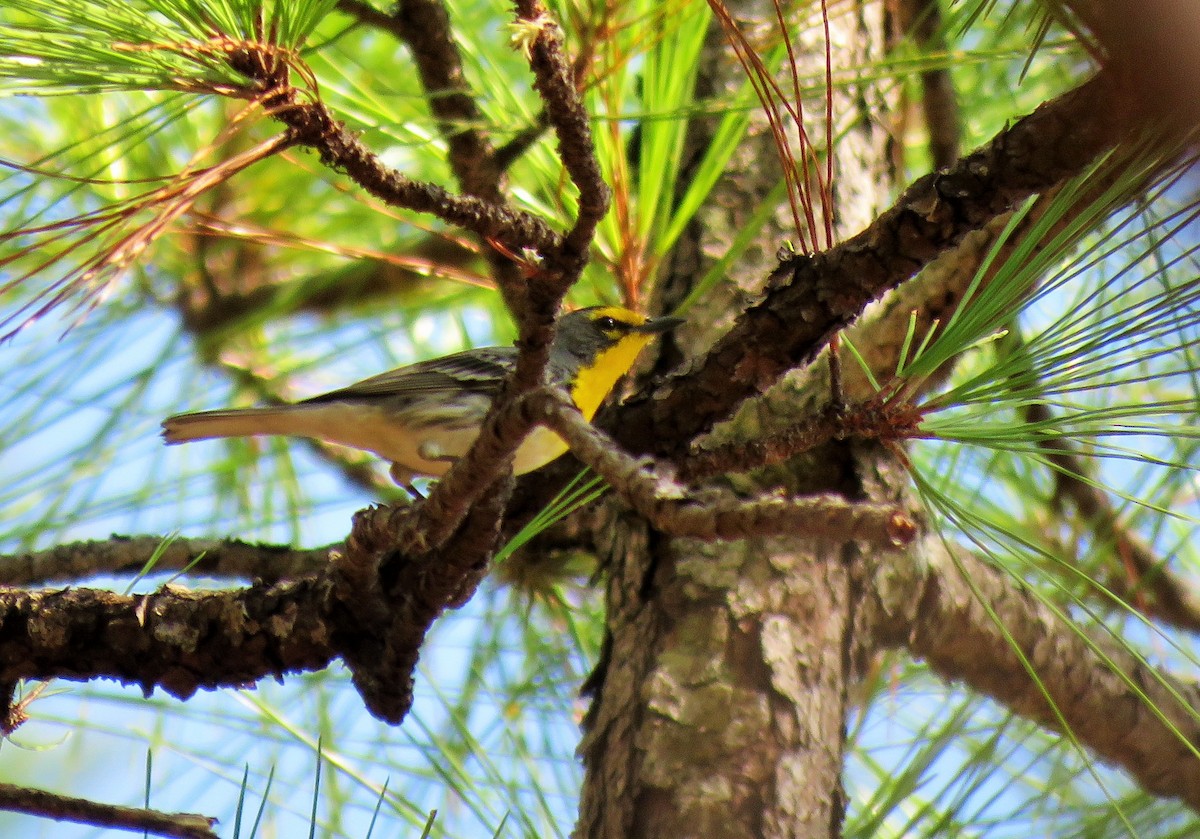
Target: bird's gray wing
(475, 371)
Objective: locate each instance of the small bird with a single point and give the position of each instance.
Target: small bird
(424, 416)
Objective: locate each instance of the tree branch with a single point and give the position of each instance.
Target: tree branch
(708, 513)
(387, 601)
(371, 606)
(424, 27)
(811, 298)
(175, 639)
(124, 555)
(555, 84)
(315, 127)
(536, 310)
(1170, 600)
(65, 808)
(973, 624)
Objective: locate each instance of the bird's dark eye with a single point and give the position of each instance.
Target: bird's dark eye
(607, 324)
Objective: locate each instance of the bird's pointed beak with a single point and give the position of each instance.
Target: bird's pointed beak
(663, 324)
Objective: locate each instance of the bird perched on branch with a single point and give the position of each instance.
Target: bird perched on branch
(424, 416)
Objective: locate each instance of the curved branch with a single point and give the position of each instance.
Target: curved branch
(424, 27)
(314, 126)
(535, 306)
(555, 84)
(386, 601)
(709, 513)
(968, 620)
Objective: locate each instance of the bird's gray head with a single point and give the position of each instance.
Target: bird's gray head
(584, 334)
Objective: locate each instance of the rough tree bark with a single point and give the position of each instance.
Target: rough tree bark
(720, 707)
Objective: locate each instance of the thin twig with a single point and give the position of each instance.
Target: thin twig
(339, 149)
(555, 84)
(521, 142)
(65, 808)
(874, 419)
(120, 555)
(710, 513)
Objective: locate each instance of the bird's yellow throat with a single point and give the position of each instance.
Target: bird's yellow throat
(593, 383)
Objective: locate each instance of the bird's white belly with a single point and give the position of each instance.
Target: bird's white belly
(421, 451)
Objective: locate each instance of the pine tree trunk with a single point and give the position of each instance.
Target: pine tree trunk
(720, 710)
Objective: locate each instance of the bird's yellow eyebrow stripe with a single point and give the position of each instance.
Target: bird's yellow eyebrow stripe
(621, 315)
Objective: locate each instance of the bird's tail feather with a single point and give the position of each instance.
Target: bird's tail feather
(233, 422)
